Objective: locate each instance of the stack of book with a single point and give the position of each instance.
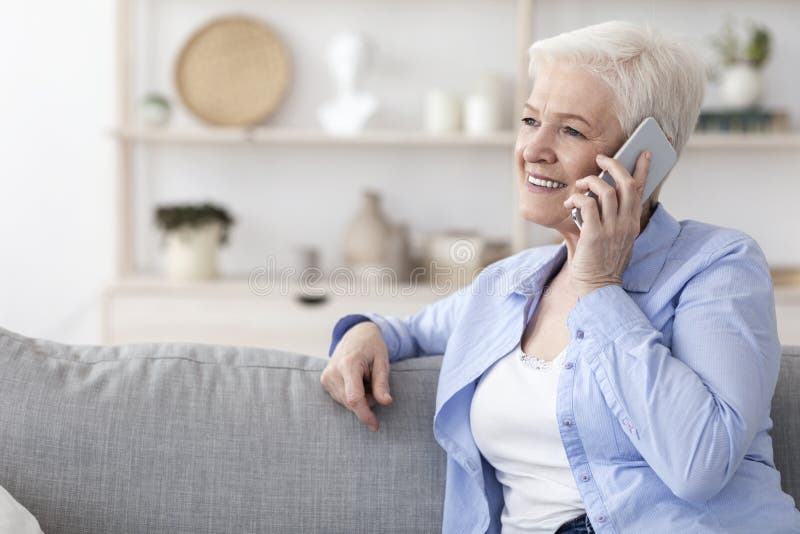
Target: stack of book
(744, 120)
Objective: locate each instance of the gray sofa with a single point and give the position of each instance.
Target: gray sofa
(191, 438)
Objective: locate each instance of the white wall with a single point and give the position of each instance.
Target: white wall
(57, 164)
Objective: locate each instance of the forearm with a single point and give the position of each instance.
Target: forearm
(692, 431)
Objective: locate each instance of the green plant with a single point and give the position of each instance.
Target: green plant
(758, 48)
(728, 45)
(172, 217)
(155, 98)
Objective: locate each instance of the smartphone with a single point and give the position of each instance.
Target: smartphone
(647, 136)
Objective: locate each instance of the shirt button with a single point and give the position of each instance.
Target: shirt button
(628, 424)
(601, 518)
(567, 422)
(579, 334)
(471, 466)
(568, 365)
(585, 478)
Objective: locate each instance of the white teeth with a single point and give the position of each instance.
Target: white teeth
(546, 183)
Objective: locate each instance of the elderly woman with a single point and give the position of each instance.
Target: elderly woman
(634, 396)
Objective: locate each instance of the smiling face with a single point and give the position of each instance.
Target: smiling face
(567, 120)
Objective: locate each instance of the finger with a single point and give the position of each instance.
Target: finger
(337, 390)
(626, 184)
(333, 383)
(581, 188)
(589, 211)
(380, 380)
(607, 196)
(632, 196)
(616, 169)
(355, 397)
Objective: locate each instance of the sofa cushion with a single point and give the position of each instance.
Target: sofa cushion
(785, 414)
(192, 438)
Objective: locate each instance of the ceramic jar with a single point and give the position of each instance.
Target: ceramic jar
(398, 252)
(442, 112)
(455, 257)
(367, 235)
(740, 86)
(191, 252)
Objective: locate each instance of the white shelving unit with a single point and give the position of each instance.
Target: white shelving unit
(228, 310)
(128, 135)
(735, 141)
(503, 139)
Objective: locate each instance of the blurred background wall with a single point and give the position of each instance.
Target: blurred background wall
(58, 165)
(57, 83)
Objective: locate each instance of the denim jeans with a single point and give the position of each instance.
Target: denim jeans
(579, 525)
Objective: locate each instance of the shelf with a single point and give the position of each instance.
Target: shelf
(502, 139)
(788, 140)
(241, 287)
(227, 311)
(238, 286)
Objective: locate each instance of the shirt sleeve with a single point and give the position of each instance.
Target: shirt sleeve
(691, 409)
(422, 334)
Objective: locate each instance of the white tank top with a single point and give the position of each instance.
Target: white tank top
(513, 420)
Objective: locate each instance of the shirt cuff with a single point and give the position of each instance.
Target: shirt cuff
(342, 326)
(605, 314)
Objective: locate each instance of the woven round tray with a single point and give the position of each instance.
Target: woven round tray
(234, 71)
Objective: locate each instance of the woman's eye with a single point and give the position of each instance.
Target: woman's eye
(573, 132)
(528, 121)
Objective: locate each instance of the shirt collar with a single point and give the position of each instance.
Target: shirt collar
(649, 255)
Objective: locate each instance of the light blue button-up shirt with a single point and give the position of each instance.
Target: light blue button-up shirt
(664, 402)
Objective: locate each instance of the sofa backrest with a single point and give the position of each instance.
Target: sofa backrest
(191, 438)
(194, 438)
(785, 414)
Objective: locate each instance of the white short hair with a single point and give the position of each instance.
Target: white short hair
(650, 73)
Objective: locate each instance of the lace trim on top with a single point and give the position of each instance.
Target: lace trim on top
(532, 362)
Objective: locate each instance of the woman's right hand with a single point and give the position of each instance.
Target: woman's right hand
(360, 357)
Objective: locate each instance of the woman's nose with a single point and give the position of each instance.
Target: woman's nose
(538, 147)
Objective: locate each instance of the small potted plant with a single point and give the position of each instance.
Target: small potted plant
(741, 78)
(155, 110)
(192, 234)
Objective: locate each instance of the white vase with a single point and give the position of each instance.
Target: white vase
(191, 252)
(740, 86)
(442, 112)
(480, 115)
(367, 235)
(349, 55)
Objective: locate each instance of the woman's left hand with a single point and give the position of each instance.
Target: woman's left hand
(605, 245)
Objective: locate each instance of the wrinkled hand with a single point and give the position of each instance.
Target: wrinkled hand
(361, 356)
(605, 245)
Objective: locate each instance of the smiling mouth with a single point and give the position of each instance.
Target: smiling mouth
(552, 184)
